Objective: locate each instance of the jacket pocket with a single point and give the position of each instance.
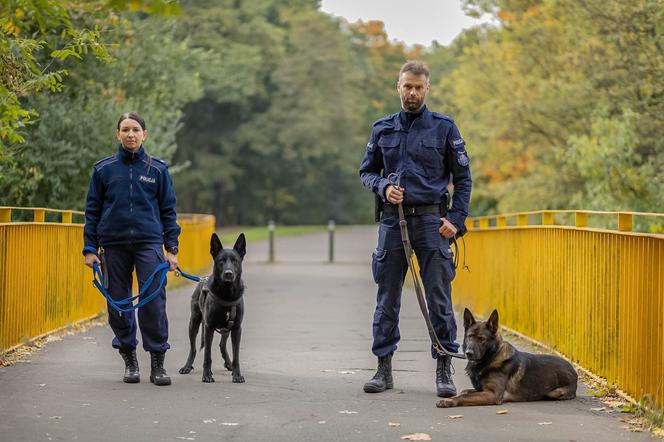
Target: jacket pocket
(449, 272)
(378, 263)
(431, 156)
(389, 146)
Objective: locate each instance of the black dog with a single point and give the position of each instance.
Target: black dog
(217, 302)
(499, 372)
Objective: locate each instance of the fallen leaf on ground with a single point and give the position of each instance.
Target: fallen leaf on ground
(614, 402)
(347, 412)
(416, 436)
(346, 372)
(230, 424)
(455, 416)
(658, 432)
(321, 422)
(502, 411)
(598, 409)
(393, 424)
(544, 423)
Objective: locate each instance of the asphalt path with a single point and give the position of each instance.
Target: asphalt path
(305, 356)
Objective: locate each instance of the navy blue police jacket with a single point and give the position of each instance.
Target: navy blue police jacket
(130, 200)
(425, 155)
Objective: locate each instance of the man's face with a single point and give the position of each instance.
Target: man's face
(412, 91)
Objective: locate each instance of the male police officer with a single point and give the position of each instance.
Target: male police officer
(423, 148)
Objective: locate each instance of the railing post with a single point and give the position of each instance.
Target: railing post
(330, 228)
(484, 222)
(470, 224)
(522, 219)
(501, 221)
(625, 222)
(40, 215)
(547, 218)
(67, 217)
(270, 228)
(580, 219)
(5, 215)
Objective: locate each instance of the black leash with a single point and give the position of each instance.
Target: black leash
(413, 266)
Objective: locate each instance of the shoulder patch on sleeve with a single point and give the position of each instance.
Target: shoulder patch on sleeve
(371, 146)
(462, 159)
(457, 142)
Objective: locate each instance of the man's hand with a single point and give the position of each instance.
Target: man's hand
(394, 194)
(91, 258)
(172, 260)
(447, 229)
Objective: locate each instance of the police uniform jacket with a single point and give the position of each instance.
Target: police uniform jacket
(425, 155)
(130, 200)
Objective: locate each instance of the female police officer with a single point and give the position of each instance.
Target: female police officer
(129, 216)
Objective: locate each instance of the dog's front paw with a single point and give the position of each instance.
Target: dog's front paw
(228, 365)
(186, 369)
(445, 403)
(207, 377)
(238, 378)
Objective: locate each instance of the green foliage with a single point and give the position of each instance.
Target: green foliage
(77, 127)
(36, 38)
(264, 106)
(561, 105)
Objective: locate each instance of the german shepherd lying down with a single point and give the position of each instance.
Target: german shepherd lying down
(218, 304)
(501, 373)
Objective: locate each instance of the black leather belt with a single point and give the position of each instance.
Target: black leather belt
(414, 210)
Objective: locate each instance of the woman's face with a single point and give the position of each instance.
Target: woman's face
(131, 134)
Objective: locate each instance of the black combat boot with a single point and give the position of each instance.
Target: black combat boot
(444, 384)
(131, 375)
(382, 380)
(158, 375)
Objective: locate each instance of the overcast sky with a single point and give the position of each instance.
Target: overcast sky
(410, 21)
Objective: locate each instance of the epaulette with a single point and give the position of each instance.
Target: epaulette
(160, 161)
(442, 116)
(104, 160)
(384, 119)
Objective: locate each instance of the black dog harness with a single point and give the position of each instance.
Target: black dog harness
(230, 315)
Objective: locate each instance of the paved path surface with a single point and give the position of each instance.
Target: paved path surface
(305, 356)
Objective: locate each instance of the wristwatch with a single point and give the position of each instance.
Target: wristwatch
(173, 250)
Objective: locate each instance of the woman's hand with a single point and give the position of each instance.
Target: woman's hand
(91, 258)
(172, 260)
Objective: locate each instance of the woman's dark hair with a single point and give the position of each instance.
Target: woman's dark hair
(133, 116)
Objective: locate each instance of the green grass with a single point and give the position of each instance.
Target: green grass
(228, 235)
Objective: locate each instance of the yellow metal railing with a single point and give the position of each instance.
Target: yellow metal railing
(595, 295)
(44, 285)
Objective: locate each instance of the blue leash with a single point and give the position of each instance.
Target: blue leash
(161, 270)
(179, 272)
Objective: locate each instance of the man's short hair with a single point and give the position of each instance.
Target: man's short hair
(416, 67)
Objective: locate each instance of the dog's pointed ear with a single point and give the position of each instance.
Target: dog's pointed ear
(492, 323)
(241, 245)
(468, 318)
(215, 245)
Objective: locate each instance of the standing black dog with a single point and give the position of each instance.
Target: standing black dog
(217, 302)
(501, 373)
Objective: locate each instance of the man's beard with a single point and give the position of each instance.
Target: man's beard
(412, 105)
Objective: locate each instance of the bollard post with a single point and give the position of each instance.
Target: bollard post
(330, 228)
(270, 228)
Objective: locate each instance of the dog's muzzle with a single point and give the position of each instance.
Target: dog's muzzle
(227, 276)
